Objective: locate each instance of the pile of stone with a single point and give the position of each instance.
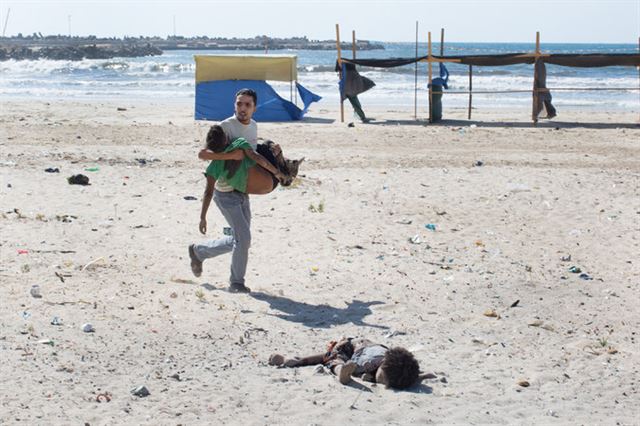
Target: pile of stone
(77, 53)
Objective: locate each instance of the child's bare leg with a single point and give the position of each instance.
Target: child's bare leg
(344, 372)
(280, 360)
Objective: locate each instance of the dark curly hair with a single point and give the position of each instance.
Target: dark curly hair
(216, 139)
(401, 368)
(248, 92)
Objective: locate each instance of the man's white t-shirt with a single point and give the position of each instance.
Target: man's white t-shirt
(234, 129)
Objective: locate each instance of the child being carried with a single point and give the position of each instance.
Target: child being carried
(259, 172)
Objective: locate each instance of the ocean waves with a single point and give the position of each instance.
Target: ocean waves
(172, 76)
(124, 67)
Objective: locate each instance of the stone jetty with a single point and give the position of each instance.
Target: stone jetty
(37, 46)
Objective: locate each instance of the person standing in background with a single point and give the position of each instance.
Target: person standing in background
(351, 85)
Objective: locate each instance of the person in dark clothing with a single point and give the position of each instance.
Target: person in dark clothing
(543, 95)
(357, 107)
(351, 85)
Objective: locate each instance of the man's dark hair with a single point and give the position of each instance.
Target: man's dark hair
(248, 92)
(216, 139)
(401, 368)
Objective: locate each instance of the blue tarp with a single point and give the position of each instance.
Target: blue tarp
(215, 100)
(443, 79)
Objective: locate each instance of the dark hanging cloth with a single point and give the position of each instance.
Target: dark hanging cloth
(594, 60)
(544, 95)
(493, 60)
(480, 60)
(382, 63)
(567, 60)
(352, 83)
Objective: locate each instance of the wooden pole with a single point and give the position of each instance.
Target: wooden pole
(353, 44)
(415, 90)
(534, 116)
(439, 63)
(340, 67)
(470, 90)
(430, 75)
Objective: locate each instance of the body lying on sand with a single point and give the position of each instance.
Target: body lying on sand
(373, 362)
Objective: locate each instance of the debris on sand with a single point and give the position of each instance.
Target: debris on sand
(78, 180)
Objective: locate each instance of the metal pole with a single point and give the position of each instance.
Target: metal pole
(430, 76)
(441, 54)
(470, 90)
(6, 21)
(353, 43)
(340, 70)
(295, 92)
(415, 91)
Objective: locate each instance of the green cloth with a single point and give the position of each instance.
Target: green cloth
(224, 170)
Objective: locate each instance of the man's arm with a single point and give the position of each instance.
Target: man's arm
(260, 160)
(206, 201)
(236, 154)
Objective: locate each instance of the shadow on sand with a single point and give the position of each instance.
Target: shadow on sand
(359, 384)
(541, 124)
(506, 124)
(317, 120)
(419, 388)
(322, 316)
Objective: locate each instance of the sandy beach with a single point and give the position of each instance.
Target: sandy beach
(487, 301)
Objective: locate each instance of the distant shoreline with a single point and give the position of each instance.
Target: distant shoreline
(61, 47)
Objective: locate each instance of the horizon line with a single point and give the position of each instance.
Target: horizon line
(316, 39)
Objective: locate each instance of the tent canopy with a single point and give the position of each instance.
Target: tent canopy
(219, 77)
(243, 67)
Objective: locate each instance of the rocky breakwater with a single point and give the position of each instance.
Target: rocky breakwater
(78, 52)
(260, 43)
(61, 47)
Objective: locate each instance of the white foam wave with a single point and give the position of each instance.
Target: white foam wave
(173, 75)
(125, 66)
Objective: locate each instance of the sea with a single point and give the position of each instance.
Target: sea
(170, 77)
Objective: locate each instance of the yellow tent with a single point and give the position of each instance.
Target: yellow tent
(243, 67)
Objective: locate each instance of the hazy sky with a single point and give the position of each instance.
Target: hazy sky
(615, 21)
